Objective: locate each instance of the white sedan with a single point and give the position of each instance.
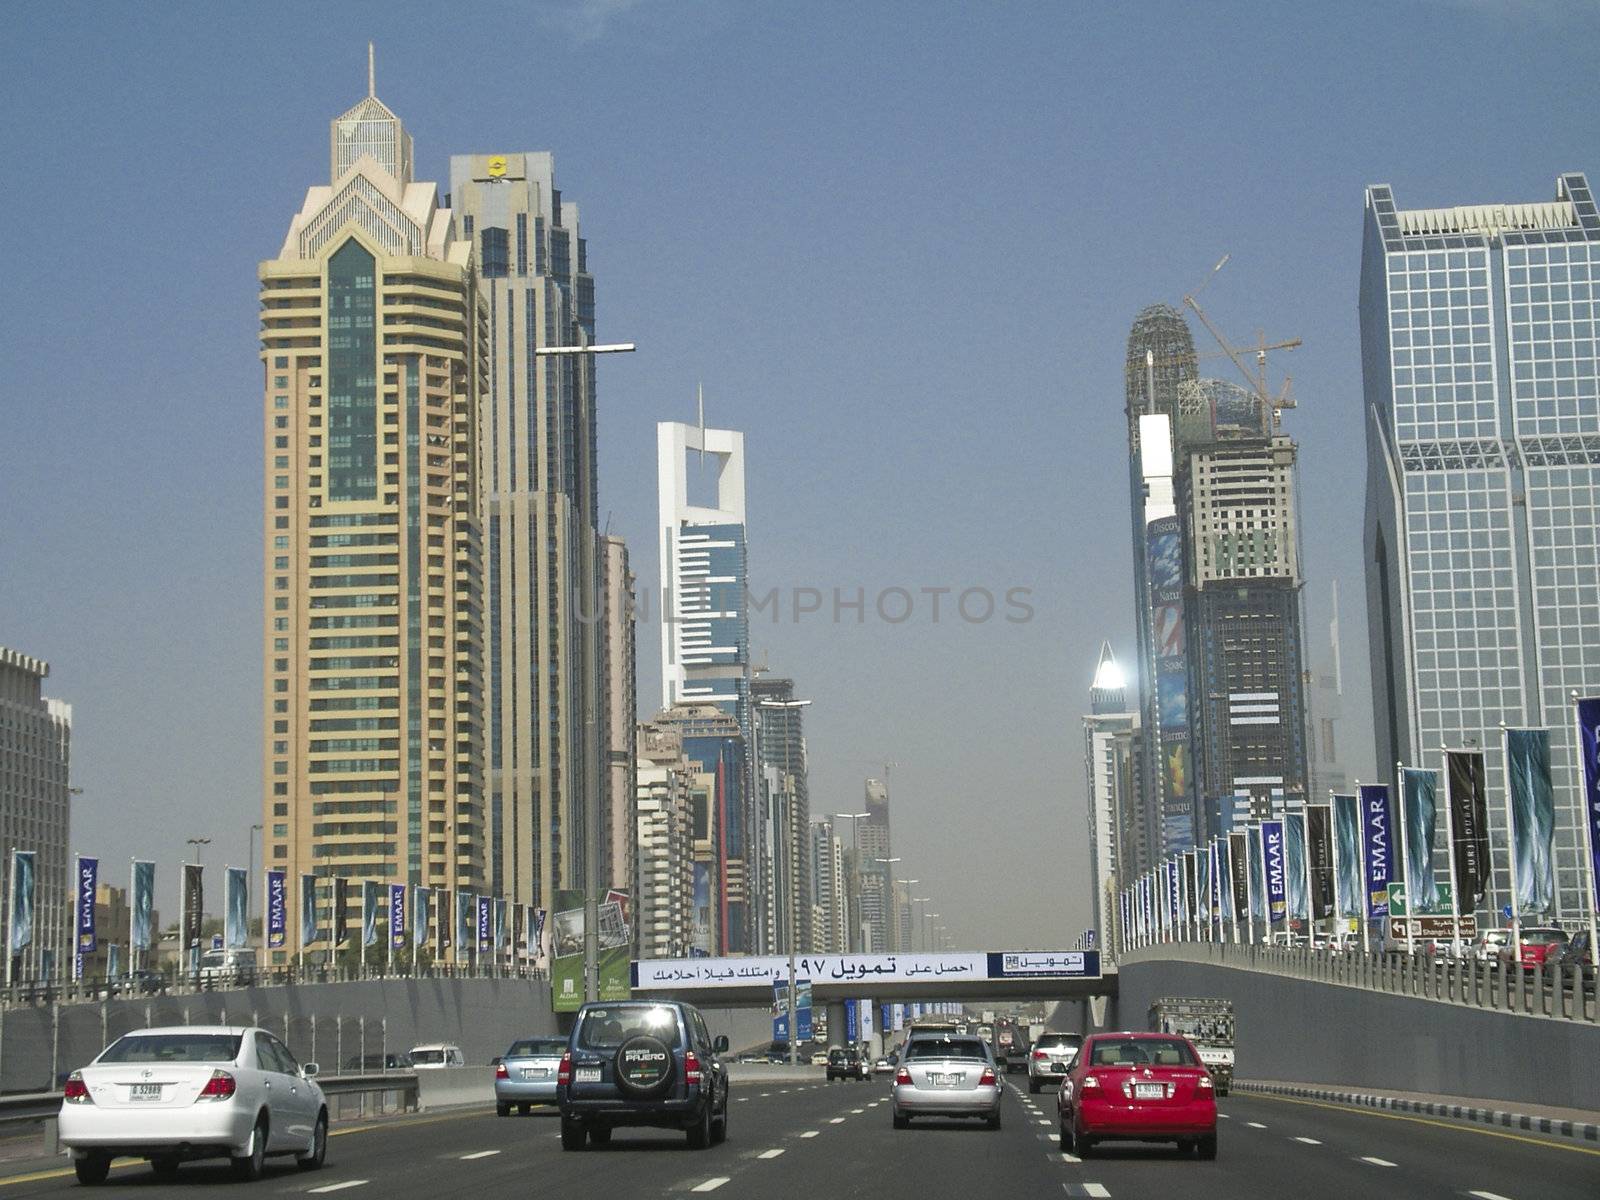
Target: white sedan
(194, 1091)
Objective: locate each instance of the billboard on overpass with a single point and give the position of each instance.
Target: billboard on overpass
(681, 973)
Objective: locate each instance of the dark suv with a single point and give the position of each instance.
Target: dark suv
(642, 1063)
(847, 1064)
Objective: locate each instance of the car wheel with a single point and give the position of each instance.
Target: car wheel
(700, 1131)
(1066, 1137)
(1208, 1147)
(994, 1119)
(92, 1169)
(719, 1129)
(248, 1165)
(1185, 1145)
(600, 1135)
(502, 1110)
(1084, 1143)
(165, 1167)
(1033, 1086)
(901, 1121)
(524, 1109)
(319, 1145)
(573, 1134)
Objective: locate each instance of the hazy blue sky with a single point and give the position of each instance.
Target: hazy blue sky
(900, 244)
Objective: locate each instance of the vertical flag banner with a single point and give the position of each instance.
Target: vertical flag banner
(141, 912)
(113, 960)
(369, 912)
(194, 905)
(1319, 849)
(1294, 864)
(88, 877)
(1202, 884)
(21, 931)
(1273, 856)
(537, 944)
(1347, 854)
(236, 907)
(1239, 875)
(446, 921)
(309, 932)
(277, 912)
(1533, 819)
(1190, 900)
(397, 916)
(1221, 884)
(485, 930)
(419, 917)
(1258, 900)
(500, 930)
(1468, 797)
(464, 925)
(1589, 751)
(341, 911)
(1419, 810)
(1377, 850)
(566, 953)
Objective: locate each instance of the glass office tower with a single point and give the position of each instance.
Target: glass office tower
(1479, 332)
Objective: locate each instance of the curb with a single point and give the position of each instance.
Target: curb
(1576, 1130)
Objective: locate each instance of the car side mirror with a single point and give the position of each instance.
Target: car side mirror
(720, 1043)
(309, 1070)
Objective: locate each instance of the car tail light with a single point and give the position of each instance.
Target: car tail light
(902, 1076)
(691, 1068)
(1090, 1083)
(220, 1086)
(500, 1071)
(564, 1071)
(987, 1079)
(1041, 1054)
(76, 1091)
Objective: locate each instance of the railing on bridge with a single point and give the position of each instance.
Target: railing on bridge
(1557, 991)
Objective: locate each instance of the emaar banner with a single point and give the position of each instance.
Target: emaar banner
(1377, 849)
(1273, 858)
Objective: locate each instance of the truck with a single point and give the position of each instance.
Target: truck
(1207, 1022)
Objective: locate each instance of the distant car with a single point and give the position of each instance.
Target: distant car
(1542, 945)
(1140, 1087)
(882, 1067)
(642, 1063)
(946, 1076)
(1491, 945)
(1051, 1059)
(193, 1091)
(526, 1074)
(375, 1064)
(819, 1058)
(434, 1055)
(141, 983)
(847, 1064)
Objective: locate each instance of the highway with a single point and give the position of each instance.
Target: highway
(823, 1140)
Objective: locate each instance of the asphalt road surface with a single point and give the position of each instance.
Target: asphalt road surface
(835, 1140)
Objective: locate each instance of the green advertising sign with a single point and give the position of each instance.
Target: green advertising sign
(566, 959)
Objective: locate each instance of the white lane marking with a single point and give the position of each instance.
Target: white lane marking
(710, 1185)
(1255, 1124)
(809, 1133)
(479, 1154)
(836, 1121)
(742, 1099)
(1308, 1141)
(337, 1187)
(1377, 1162)
(770, 1153)
(764, 1095)
(1487, 1195)
(1095, 1189)
(1224, 1116)
(1071, 1158)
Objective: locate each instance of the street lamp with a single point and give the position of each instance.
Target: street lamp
(197, 843)
(591, 798)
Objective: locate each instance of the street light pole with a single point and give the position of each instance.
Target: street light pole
(594, 759)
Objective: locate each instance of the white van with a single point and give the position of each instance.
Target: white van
(228, 966)
(436, 1054)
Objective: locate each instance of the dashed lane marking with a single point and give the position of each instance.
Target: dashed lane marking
(857, 1111)
(1308, 1141)
(1070, 1158)
(836, 1121)
(809, 1133)
(742, 1099)
(1042, 1121)
(1098, 1190)
(710, 1185)
(1255, 1124)
(338, 1187)
(771, 1153)
(764, 1095)
(1377, 1162)
(1487, 1195)
(479, 1154)
(1472, 1129)
(1225, 1116)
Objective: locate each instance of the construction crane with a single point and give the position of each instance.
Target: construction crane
(1257, 378)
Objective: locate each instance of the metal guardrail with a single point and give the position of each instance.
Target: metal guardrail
(1553, 991)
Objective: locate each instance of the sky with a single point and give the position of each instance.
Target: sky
(900, 245)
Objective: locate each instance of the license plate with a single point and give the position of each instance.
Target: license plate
(144, 1091)
(1060, 1068)
(1149, 1091)
(586, 1075)
(942, 1079)
(534, 1072)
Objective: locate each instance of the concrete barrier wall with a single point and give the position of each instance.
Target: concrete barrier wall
(447, 1087)
(1300, 1031)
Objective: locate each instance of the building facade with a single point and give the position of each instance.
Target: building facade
(781, 756)
(35, 812)
(619, 830)
(372, 354)
(665, 896)
(874, 871)
(1481, 374)
(829, 890)
(543, 559)
(1111, 752)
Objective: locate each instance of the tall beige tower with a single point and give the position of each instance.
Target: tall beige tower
(371, 336)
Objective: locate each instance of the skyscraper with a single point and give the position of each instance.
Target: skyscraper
(781, 750)
(373, 646)
(665, 898)
(830, 898)
(543, 562)
(35, 808)
(618, 831)
(873, 869)
(1111, 762)
(1481, 372)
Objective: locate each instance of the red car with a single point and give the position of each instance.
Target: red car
(1542, 945)
(1140, 1087)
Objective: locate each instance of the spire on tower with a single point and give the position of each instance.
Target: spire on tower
(372, 72)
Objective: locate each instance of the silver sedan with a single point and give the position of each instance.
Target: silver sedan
(527, 1074)
(946, 1077)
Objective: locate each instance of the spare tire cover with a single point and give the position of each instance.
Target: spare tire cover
(643, 1066)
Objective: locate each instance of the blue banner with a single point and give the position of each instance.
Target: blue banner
(852, 1030)
(141, 906)
(1347, 854)
(236, 907)
(1294, 865)
(21, 931)
(308, 911)
(397, 916)
(1419, 814)
(1533, 820)
(485, 924)
(277, 910)
(88, 879)
(1377, 850)
(1272, 856)
(1589, 750)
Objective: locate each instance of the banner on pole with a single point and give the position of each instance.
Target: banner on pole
(22, 888)
(194, 902)
(277, 912)
(422, 909)
(1533, 819)
(1589, 751)
(309, 932)
(369, 912)
(1419, 810)
(397, 916)
(141, 908)
(1319, 850)
(1274, 855)
(341, 911)
(88, 878)
(1239, 875)
(236, 907)
(1294, 865)
(1347, 854)
(1376, 850)
(1468, 797)
(1258, 900)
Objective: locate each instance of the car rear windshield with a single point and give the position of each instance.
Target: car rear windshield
(1161, 1052)
(427, 1057)
(1543, 937)
(608, 1028)
(944, 1048)
(1048, 1040)
(538, 1048)
(173, 1048)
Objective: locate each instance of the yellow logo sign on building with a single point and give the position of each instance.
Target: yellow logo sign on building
(497, 165)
